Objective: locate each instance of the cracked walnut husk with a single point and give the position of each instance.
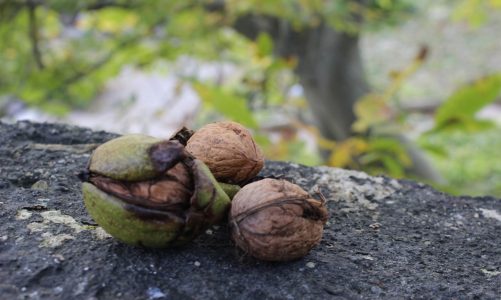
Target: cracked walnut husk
(151, 192)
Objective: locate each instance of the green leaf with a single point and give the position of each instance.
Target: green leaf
(228, 104)
(392, 147)
(371, 110)
(472, 11)
(83, 90)
(438, 150)
(262, 140)
(466, 101)
(466, 124)
(393, 166)
(112, 20)
(385, 3)
(264, 44)
(459, 110)
(56, 108)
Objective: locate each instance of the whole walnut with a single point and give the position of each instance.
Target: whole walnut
(276, 220)
(229, 151)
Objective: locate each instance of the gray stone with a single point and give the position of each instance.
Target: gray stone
(384, 239)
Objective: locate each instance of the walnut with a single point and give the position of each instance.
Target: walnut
(151, 192)
(276, 220)
(229, 151)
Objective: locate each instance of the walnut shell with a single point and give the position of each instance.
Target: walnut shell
(276, 220)
(229, 151)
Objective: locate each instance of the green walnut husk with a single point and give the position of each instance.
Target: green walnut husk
(151, 192)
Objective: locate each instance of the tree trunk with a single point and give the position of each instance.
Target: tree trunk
(329, 68)
(331, 73)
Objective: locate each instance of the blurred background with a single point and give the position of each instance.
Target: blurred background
(409, 89)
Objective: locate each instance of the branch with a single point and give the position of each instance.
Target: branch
(107, 3)
(79, 75)
(33, 32)
(92, 68)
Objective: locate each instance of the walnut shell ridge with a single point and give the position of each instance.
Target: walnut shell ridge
(229, 151)
(275, 220)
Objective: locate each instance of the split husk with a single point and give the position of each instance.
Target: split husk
(151, 192)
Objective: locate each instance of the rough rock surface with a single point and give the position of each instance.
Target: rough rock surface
(385, 238)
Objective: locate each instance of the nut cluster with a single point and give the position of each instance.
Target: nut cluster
(159, 193)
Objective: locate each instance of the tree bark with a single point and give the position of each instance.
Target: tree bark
(329, 68)
(330, 71)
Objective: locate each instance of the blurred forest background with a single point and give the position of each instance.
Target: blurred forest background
(406, 88)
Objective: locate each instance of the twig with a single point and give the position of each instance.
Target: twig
(108, 3)
(33, 32)
(94, 67)
(77, 76)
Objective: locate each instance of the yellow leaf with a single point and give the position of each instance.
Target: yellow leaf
(371, 110)
(495, 3)
(340, 157)
(344, 153)
(111, 20)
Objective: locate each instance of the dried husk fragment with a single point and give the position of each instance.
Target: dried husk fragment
(275, 220)
(229, 151)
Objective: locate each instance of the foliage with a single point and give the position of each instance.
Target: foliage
(379, 119)
(469, 160)
(458, 111)
(58, 54)
(463, 146)
(475, 12)
(380, 114)
(344, 15)
(376, 155)
(227, 103)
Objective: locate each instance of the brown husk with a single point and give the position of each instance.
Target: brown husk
(169, 192)
(276, 220)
